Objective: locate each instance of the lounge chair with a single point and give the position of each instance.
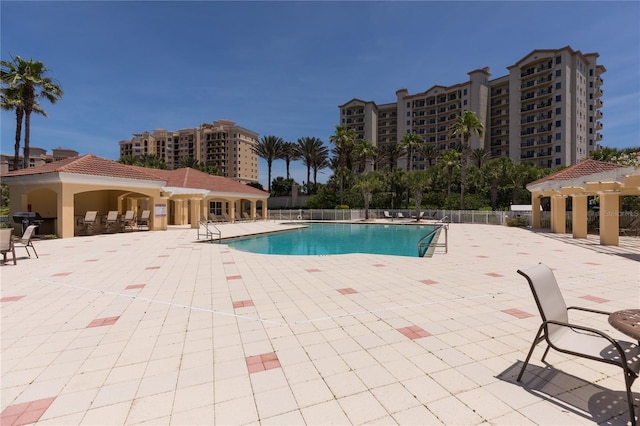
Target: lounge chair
(88, 223)
(111, 223)
(226, 217)
(213, 218)
(129, 220)
(6, 245)
(144, 220)
(399, 215)
(573, 339)
(246, 217)
(632, 228)
(387, 215)
(25, 240)
(237, 217)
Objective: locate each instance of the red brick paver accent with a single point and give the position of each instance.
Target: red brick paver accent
(414, 332)
(103, 321)
(348, 290)
(91, 260)
(517, 313)
(152, 267)
(428, 282)
(379, 265)
(61, 274)
(594, 299)
(262, 362)
(242, 304)
(313, 270)
(133, 286)
(234, 277)
(11, 298)
(25, 413)
(494, 274)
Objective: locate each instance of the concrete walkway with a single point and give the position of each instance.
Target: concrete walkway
(156, 328)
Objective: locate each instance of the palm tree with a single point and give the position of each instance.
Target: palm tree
(363, 151)
(450, 160)
(289, 152)
(320, 161)
(391, 153)
(465, 125)
(496, 172)
(343, 139)
(479, 156)
(368, 183)
(409, 142)
(311, 150)
(188, 162)
(11, 99)
(429, 152)
(269, 148)
(418, 181)
(29, 79)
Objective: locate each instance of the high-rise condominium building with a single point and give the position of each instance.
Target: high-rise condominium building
(546, 110)
(221, 144)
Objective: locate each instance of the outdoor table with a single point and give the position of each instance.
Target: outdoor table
(627, 322)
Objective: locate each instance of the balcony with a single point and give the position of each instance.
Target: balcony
(543, 104)
(599, 115)
(543, 129)
(599, 103)
(599, 93)
(598, 136)
(599, 126)
(599, 81)
(543, 141)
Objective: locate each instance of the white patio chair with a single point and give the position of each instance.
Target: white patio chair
(88, 223)
(6, 245)
(25, 240)
(573, 339)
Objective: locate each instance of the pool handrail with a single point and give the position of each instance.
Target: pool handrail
(423, 247)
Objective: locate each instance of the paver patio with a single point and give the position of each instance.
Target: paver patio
(156, 328)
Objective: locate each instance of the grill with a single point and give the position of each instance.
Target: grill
(27, 218)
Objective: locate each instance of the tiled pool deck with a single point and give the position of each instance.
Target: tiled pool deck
(152, 327)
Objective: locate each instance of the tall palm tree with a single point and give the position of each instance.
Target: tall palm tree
(289, 153)
(429, 152)
(496, 172)
(465, 125)
(479, 156)
(11, 99)
(343, 139)
(269, 148)
(409, 142)
(391, 153)
(450, 160)
(29, 78)
(320, 161)
(363, 151)
(311, 150)
(418, 181)
(368, 183)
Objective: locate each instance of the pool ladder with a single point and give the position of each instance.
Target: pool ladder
(428, 244)
(209, 233)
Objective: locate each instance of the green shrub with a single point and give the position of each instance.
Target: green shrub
(516, 221)
(342, 207)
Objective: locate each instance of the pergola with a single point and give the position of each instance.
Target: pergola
(608, 181)
(63, 191)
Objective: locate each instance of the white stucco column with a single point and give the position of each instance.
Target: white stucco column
(535, 210)
(195, 213)
(609, 218)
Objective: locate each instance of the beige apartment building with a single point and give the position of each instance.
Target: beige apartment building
(37, 157)
(222, 144)
(546, 110)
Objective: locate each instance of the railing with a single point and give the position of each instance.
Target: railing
(428, 244)
(209, 233)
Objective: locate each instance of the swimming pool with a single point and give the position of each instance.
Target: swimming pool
(338, 238)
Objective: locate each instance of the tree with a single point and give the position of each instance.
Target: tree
(368, 183)
(363, 151)
(289, 152)
(450, 160)
(312, 151)
(409, 142)
(464, 126)
(187, 162)
(390, 153)
(429, 152)
(29, 79)
(11, 99)
(343, 139)
(269, 148)
(321, 161)
(154, 162)
(418, 181)
(479, 156)
(496, 173)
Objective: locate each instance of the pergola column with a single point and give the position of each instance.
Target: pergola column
(535, 210)
(558, 214)
(579, 215)
(195, 213)
(253, 209)
(609, 218)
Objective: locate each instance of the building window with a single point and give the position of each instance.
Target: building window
(559, 98)
(558, 110)
(465, 102)
(558, 85)
(558, 148)
(558, 59)
(558, 73)
(215, 207)
(464, 92)
(408, 104)
(558, 136)
(558, 123)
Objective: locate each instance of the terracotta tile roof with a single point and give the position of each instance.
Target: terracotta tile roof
(86, 165)
(584, 168)
(181, 178)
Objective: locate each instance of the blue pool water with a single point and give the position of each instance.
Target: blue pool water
(338, 238)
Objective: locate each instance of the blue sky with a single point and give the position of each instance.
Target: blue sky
(282, 68)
